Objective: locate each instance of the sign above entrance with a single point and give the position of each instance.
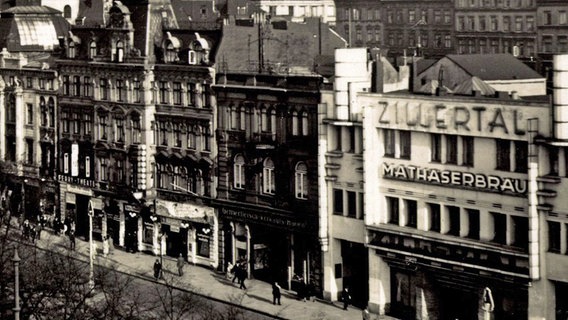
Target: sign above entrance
(267, 219)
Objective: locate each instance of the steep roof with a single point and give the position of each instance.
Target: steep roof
(489, 67)
(474, 84)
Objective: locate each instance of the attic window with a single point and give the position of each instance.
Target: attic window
(92, 50)
(67, 12)
(119, 51)
(203, 12)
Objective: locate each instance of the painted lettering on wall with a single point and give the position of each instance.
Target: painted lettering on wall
(462, 119)
(455, 178)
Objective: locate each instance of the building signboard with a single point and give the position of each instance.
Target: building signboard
(268, 218)
(454, 178)
(468, 119)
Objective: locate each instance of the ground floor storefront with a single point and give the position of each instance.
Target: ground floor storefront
(275, 247)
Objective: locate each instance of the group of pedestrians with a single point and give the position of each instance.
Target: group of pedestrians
(239, 270)
(31, 231)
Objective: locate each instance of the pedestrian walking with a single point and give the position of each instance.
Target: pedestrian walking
(302, 289)
(242, 275)
(157, 269)
(236, 271)
(180, 264)
(72, 240)
(105, 245)
(346, 298)
(276, 293)
(230, 269)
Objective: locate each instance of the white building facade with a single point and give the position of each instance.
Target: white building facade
(453, 203)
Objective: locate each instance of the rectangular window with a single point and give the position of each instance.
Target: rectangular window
(76, 122)
(562, 18)
(474, 224)
(506, 24)
(554, 236)
(87, 87)
(451, 149)
(520, 232)
(66, 163)
(521, 156)
(136, 131)
(103, 169)
(499, 227)
(103, 127)
(405, 145)
(482, 23)
(530, 23)
(351, 204)
(30, 113)
(503, 151)
(518, 24)
(87, 167)
(28, 82)
(30, 151)
(435, 217)
(177, 93)
(389, 142)
(119, 126)
(65, 121)
(547, 18)
(87, 123)
(190, 94)
(411, 213)
(454, 215)
(493, 23)
(76, 86)
(361, 200)
(42, 83)
(436, 147)
(136, 91)
(103, 89)
(66, 85)
(468, 151)
(163, 87)
(120, 90)
(393, 210)
(338, 201)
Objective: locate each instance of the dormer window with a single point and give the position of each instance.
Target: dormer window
(71, 50)
(119, 51)
(92, 50)
(171, 52)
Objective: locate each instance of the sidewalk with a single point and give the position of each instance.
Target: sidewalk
(210, 283)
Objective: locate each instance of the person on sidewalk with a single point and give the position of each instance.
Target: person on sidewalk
(242, 276)
(346, 298)
(276, 293)
(157, 269)
(72, 240)
(230, 269)
(180, 264)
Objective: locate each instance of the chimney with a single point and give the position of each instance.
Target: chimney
(377, 84)
(560, 96)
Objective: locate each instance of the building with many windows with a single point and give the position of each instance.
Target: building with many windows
(136, 140)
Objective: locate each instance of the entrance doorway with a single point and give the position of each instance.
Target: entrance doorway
(82, 216)
(460, 304)
(356, 272)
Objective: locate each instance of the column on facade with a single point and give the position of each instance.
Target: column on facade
(379, 283)
(464, 222)
(487, 225)
(156, 238)
(121, 228)
(20, 136)
(345, 140)
(147, 131)
(329, 259)
(248, 235)
(423, 215)
(139, 234)
(444, 218)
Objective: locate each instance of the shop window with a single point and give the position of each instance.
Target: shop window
(436, 147)
(301, 178)
(435, 217)
(203, 240)
(474, 224)
(503, 152)
(389, 142)
(338, 201)
(411, 213)
(520, 232)
(393, 210)
(554, 236)
(268, 177)
(451, 149)
(468, 151)
(499, 227)
(239, 172)
(454, 215)
(351, 204)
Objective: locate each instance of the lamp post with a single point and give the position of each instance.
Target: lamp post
(16, 259)
(91, 273)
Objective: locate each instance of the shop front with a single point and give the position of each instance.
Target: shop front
(186, 229)
(276, 246)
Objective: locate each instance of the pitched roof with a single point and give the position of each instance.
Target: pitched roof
(474, 84)
(502, 66)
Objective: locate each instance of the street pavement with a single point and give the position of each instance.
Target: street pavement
(212, 284)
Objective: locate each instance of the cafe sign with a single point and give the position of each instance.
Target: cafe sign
(454, 178)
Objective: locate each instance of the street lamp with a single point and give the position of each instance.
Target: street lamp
(16, 309)
(91, 273)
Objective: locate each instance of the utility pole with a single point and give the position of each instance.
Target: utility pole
(91, 273)
(16, 260)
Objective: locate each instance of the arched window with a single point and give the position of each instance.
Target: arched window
(234, 117)
(239, 172)
(268, 177)
(295, 127)
(263, 120)
(71, 50)
(242, 118)
(67, 12)
(304, 123)
(92, 50)
(119, 51)
(301, 181)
